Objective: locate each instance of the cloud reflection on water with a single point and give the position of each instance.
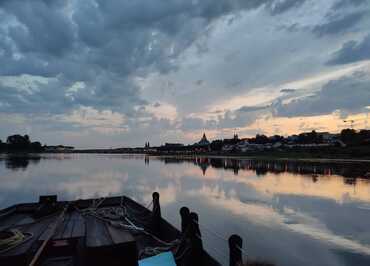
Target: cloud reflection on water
(320, 212)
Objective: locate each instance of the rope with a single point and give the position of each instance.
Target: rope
(152, 251)
(99, 203)
(43, 245)
(179, 257)
(15, 239)
(117, 213)
(131, 225)
(138, 211)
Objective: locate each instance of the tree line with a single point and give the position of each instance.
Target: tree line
(350, 137)
(18, 142)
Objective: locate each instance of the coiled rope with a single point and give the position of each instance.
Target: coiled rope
(12, 238)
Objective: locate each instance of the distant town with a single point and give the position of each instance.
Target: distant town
(349, 143)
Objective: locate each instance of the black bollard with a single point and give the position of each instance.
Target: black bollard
(185, 216)
(195, 220)
(156, 214)
(195, 240)
(235, 245)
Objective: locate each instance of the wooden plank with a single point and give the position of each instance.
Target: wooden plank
(12, 220)
(119, 236)
(60, 230)
(69, 228)
(24, 221)
(96, 233)
(46, 232)
(79, 227)
(49, 229)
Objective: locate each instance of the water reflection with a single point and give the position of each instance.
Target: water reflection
(19, 161)
(350, 169)
(286, 211)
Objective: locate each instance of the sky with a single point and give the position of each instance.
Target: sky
(100, 74)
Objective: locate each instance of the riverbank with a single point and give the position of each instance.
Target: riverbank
(341, 154)
(265, 157)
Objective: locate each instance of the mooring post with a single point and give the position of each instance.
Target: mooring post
(195, 240)
(235, 246)
(185, 217)
(156, 213)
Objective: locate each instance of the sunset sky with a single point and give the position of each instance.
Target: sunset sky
(120, 73)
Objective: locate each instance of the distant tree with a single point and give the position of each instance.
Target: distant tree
(18, 142)
(349, 136)
(261, 139)
(364, 136)
(36, 146)
(276, 138)
(309, 138)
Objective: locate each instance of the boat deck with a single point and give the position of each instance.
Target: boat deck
(106, 231)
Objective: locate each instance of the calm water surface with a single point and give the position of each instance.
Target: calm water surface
(284, 216)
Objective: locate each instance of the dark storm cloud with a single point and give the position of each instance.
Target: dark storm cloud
(342, 17)
(352, 51)
(43, 29)
(348, 94)
(229, 119)
(104, 44)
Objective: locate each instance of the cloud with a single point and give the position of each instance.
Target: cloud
(192, 123)
(349, 94)
(65, 62)
(228, 119)
(341, 4)
(352, 51)
(102, 44)
(278, 7)
(287, 90)
(341, 24)
(252, 108)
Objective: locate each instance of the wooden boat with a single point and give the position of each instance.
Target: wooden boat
(105, 231)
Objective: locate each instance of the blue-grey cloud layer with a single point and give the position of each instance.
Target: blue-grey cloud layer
(104, 44)
(348, 94)
(352, 51)
(107, 46)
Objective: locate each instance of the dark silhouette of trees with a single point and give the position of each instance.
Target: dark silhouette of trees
(311, 137)
(217, 145)
(2, 145)
(19, 143)
(352, 137)
(260, 139)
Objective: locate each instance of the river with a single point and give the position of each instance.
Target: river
(287, 213)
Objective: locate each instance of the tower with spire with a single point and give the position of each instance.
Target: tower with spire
(204, 141)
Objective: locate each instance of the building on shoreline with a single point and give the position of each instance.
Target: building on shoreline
(203, 141)
(203, 145)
